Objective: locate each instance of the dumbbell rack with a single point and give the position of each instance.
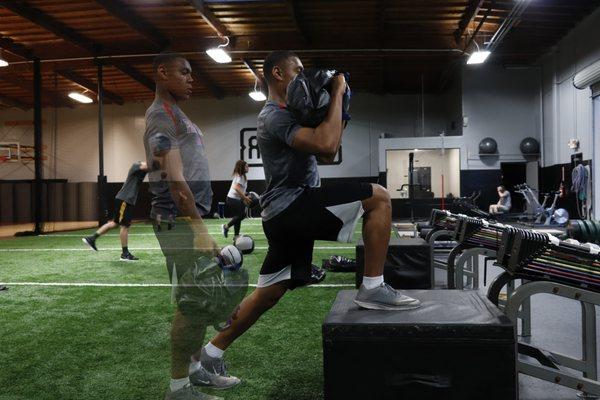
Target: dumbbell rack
(475, 237)
(442, 220)
(562, 268)
(478, 237)
(444, 226)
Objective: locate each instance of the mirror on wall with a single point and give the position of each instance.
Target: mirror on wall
(435, 173)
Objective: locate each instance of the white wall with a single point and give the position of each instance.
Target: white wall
(567, 110)
(503, 104)
(497, 102)
(221, 122)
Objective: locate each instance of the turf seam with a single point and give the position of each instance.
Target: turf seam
(127, 285)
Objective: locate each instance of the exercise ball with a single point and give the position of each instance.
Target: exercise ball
(529, 146)
(488, 146)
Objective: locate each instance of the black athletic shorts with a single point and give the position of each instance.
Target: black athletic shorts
(324, 213)
(123, 213)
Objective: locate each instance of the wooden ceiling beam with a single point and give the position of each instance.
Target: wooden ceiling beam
(200, 75)
(121, 11)
(133, 73)
(292, 7)
(257, 74)
(70, 35)
(9, 101)
(209, 17)
(89, 85)
(51, 24)
(51, 96)
(15, 48)
(470, 13)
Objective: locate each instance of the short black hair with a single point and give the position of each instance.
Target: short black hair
(164, 58)
(273, 59)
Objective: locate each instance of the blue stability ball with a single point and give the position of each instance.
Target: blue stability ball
(529, 146)
(488, 146)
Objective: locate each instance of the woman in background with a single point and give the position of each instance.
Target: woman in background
(236, 198)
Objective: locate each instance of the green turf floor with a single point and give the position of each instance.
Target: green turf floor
(111, 342)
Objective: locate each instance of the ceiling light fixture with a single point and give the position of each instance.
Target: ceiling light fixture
(218, 54)
(479, 56)
(80, 97)
(3, 62)
(256, 94)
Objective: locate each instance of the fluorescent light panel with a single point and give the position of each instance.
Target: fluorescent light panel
(80, 97)
(219, 55)
(257, 95)
(478, 57)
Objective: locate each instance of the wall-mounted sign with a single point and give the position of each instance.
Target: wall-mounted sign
(250, 152)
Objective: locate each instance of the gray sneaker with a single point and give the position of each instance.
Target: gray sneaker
(384, 297)
(189, 392)
(212, 372)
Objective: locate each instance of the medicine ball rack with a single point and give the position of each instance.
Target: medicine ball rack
(442, 225)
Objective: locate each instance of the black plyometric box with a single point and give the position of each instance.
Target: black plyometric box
(456, 346)
(408, 264)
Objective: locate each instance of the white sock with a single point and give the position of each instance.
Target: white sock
(213, 351)
(177, 384)
(372, 282)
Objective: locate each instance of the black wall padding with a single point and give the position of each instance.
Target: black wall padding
(71, 202)
(56, 191)
(88, 201)
(7, 215)
(23, 205)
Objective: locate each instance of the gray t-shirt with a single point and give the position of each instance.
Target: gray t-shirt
(167, 127)
(130, 189)
(287, 171)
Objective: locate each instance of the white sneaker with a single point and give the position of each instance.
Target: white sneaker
(384, 297)
(211, 372)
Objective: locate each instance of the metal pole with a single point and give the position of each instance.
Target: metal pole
(102, 214)
(411, 184)
(37, 143)
(422, 106)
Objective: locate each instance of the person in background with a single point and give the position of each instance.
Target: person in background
(124, 202)
(236, 198)
(504, 202)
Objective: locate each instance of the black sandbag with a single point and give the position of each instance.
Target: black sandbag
(309, 95)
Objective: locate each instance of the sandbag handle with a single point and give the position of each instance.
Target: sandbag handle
(345, 116)
(436, 381)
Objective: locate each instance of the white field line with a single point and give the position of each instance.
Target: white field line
(130, 285)
(154, 248)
